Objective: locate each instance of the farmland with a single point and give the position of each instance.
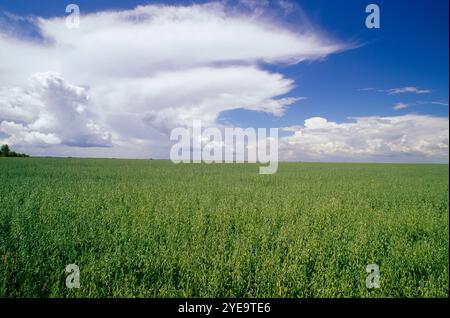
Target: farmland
(150, 228)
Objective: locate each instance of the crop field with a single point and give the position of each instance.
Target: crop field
(150, 228)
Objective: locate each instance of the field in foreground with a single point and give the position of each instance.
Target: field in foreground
(141, 228)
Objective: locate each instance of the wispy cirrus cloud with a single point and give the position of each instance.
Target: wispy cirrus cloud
(367, 89)
(431, 102)
(442, 103)
(398, 90)
(407, 89)
(399, 106)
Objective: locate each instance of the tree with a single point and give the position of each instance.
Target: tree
(4, 150)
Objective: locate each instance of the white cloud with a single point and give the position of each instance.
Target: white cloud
(22, 135)
(119, 83)
(399, 106)
(178, 97)
(316, 122)
(164, 38)
(125, 78)
(398, 90)
(367, 89)
(442, 103)
(398, 138)
(49, 111)
(407, 89)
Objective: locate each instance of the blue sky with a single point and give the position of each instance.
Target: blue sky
(409, 50)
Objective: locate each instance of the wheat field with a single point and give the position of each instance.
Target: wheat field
(151, 228)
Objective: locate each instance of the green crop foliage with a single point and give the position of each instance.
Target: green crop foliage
(150, 228)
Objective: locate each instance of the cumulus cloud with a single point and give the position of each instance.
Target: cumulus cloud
(397, 138)
(107, 88)
(177, 98)
(22, 135)
(49, 111)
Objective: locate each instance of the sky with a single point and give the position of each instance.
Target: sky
(135, 70)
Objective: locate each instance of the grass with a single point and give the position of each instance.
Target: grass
(149, 228)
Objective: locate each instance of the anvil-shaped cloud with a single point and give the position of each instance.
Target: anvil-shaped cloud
(129, 76)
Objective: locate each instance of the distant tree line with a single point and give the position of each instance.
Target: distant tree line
(6, 152)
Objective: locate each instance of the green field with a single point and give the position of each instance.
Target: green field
(150, 228)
